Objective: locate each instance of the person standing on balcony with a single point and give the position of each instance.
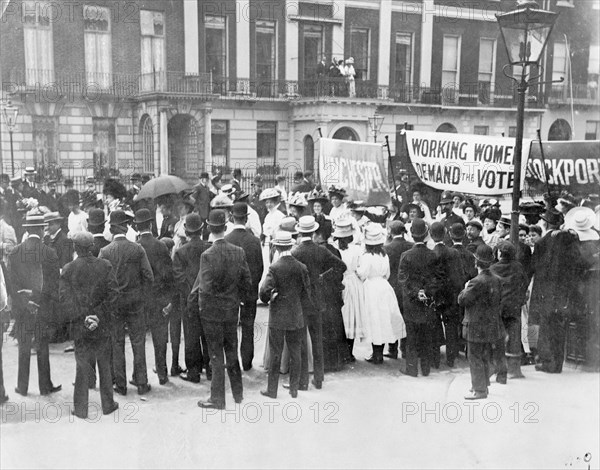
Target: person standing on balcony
(350, 73)
(322, 70)
(334, 76)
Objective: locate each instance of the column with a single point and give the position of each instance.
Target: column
(385, 33)
(291, 41)
(207, 140)
(190, 28)
(291, 141)
(339, 13)
(242, 43)
(426, 42)
(164, 143)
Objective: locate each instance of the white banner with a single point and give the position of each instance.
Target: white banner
(357, 166)
(475, 164)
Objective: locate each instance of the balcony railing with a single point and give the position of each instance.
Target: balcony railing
(560, 93)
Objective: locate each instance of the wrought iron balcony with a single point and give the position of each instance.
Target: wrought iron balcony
(583, 94)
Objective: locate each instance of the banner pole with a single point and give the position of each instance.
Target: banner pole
(539, 134)
(391, 164)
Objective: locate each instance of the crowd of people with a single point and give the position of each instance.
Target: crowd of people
(98, 267)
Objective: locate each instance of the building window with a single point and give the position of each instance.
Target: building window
(487, 67)
(560, 130)
(481, 130)
(512, 131)
(359, 50)
(216, 45)
(153, 50)
(593, 71)
(312, 49)
(98, 58)
(266, 143)
(44, 141)
(447, 128)
(266, 50)
(309, 153)
(559, 64)
(403, 65)
(219, 136)
(592, 130)
(147, 144)
(39, 50)
(105, 145)
(451, 68)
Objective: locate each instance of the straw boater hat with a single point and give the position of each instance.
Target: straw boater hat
(269, 193)
(52, 217)
(581, 220)
(34, 220)
(29, 171)
(307, 224)
(374, 235)
(228, 190)
(343, 228)
(283, 238)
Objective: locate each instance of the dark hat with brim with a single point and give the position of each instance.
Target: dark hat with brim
(446, 200)
(217, 218)
(240, 209)
(83, 239)
(457, 231)
(142, 215)
(484, 254)
(118, 217)
(476, 224)
(193, 223)
(419, 228)
(204, 175)
(96, 218)
(553, 217)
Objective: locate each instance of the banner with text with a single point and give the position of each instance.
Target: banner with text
(357, 166)
(569, 164)
(475, 164)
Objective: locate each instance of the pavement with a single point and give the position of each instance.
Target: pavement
(365, 416)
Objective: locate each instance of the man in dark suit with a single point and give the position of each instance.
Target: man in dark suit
(449, 217)
(223, 283)
(319, 262)
(5, 291)
(57, 239)
(416, 275)
(161, 291)
(481, 298)
(244, 238)
(449, 283)
(88, 289)
(202, 197)
(474, 229)
(287, 291)
(34, 273)
(134, 281)
(394, 250)
(96, 223)
(136, 180)
(186, 265)
(167, 226)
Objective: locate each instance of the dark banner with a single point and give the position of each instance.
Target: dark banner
(571, 165)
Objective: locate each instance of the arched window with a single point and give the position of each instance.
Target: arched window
(447, 128)
(309, 153)
(560, 130)
(147, 144)
(346, 133)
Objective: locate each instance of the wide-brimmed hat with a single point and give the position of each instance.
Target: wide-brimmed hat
(446, 200)
(52, 217)
(475, 223)
(457, 230)
(350, 60)
(553, 217)
(241, 196)
(269, 193)
(343, 228)
(83, 239)
(317, 196)
(118, 217)
(484, 254)
(419, 228)
(288, 224)
(283, 238)
(297, 199)
(412, 205)
(217, 218)
(240, 209)
(581, 219)
(96, 218)
(357, 206)
(504, 220)
(337, 191)
(227, 189)
(142, 215)
(34, 220)
(374, 235)
(307, 224)
(193, 223)
(567, 199)
(30, 171)
(221, 200)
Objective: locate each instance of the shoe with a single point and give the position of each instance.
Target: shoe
(69, 349)
(294, 393)
(544, 368)
(350, 359)
(501, 379)
(374, 360)
(301, 387)
(119, 390)
(77, 416)
(176, 371)
(189, 378)
(143, 389)
(163, 380)
(476, 396)
(53, 389)
(3, 399)
(112, 409)
(450, 363)
(391, 355)
(265, 393)
(20, 392)
(211, 405)
(247, 367)
(410, 374)
(238, 400)
(318, 385)
(133, 382)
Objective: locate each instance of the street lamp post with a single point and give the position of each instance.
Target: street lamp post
(10, 118)
(525, 32)
(375, 123)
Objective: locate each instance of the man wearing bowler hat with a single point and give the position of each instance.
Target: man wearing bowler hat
(242, 237)
(88, 289)
(223, 283)
(186, 265)
(287, 291)
(318, 261)
(96, 224)
(34, 273)
(202, 197)
(57, 239)
(158, 297)
(134, 281)
(416, 275)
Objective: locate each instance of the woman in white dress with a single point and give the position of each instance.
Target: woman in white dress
(354, 301)
(382, 319)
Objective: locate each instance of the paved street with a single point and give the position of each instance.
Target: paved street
(365, 416)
